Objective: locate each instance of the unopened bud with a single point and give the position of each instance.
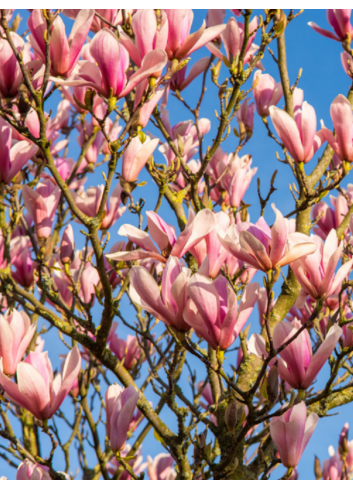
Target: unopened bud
(317, 469)
(231, 416)
(272, 385)
(67, 247)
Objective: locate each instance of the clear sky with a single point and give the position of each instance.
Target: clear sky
(322, 79)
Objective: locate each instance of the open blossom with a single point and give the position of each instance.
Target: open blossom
(297, 365)
(160, 468)
(90, 200)
(266, 92)
(164, 235)
(291, 433)
(298, 134)
(13, 157)
(110, 14)
(339, 20)
(108, 76)
(64, 52)
(148, 36)
(168, 304)
(316, 272)
(181, 43)
(264, 248)
(128, 350)
(37, 390)
(341, 142)
(213, 312)
(329, 218)
(120, 406)
(41, 205)
(16, 333)
(233, 38)
(29, 471)
(136, 156)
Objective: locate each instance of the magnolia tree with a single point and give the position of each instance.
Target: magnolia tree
(222, 401)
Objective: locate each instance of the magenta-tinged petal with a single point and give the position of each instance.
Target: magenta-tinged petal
(160, 231)
(204, 294)
(279, 236)
(247, 304)
(342, 117)
(151, 63)
(105, 49)
(208, 35)
(285, 437)
(139, 237)
(323, 32)
(187, 47)
(257, 346)
(69, 376)
(288, 132)
(148, 291)
(322, 355)
(256, 249)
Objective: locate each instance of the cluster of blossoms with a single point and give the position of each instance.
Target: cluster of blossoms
(62, 270)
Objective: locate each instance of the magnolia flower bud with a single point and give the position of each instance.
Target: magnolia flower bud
(317, 469)
(231, 416)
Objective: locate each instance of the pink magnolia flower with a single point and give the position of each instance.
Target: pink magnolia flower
(213, 309)
(64, 52)
(233, 38)
(266, 92)
(164, 235)
(29, 471)
(67, 247)
(332, 468)
(127, 350)
(339, 20)
(120, 406)
(41, 205)
(180, 81)
(109, 77)
(330, 218)
(89, 279)
(209, 247)
(89, 203)
(296, 364)
(316, 272)
(169, 303)
(342, 118)
(161, 233)
(13, 159)
(264, 248)
(180, 42)
(245, 118)
(291, 433)
(148, 36)
(16, 333)
(20, 250)
(37, 390)
(11, 74)
(239, 184)
(298, 134)
(160, 468)
(136, 156)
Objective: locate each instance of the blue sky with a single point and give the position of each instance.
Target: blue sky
(322, 79)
